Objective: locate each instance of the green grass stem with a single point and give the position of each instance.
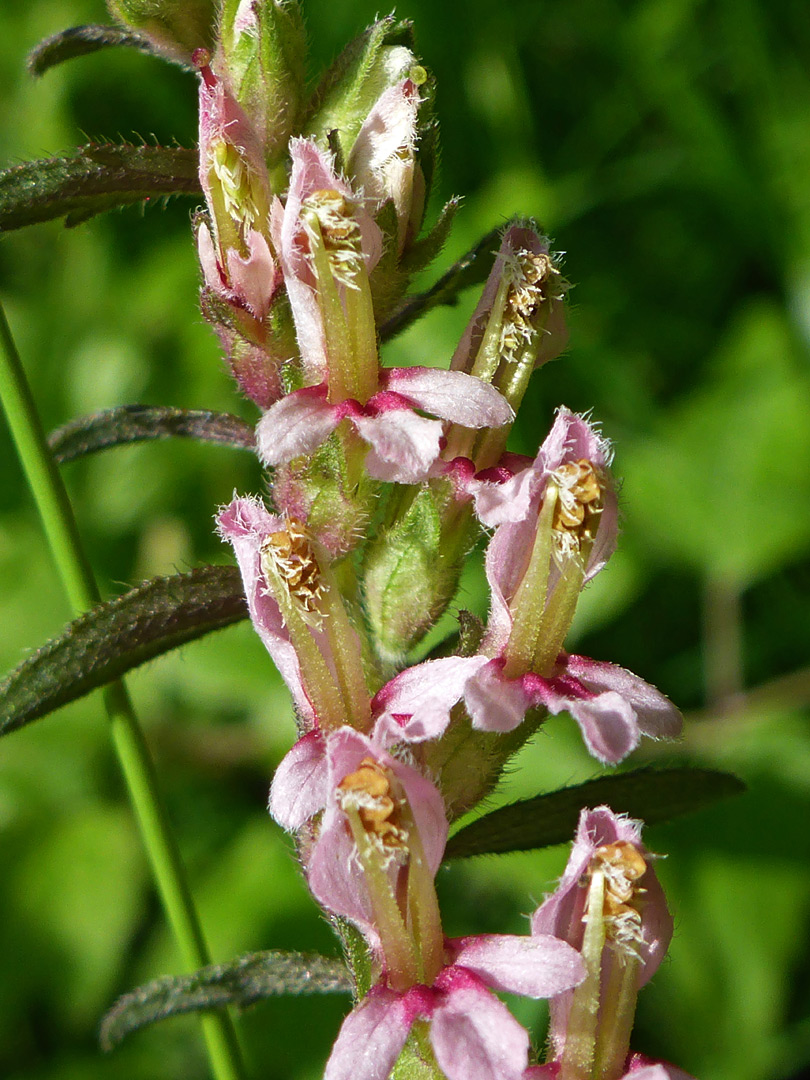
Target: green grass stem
(136, 763)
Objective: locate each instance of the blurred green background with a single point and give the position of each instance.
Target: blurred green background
(665, 145)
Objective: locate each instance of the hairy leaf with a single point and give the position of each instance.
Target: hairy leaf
(138, 423)
(652, 795)
(241, 982)
(471, 269)
(112, 638)
(94, 179)
(79, 41)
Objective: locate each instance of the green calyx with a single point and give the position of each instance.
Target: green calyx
(412, 568)
(177, 27)
(262, 56)
(381, 57)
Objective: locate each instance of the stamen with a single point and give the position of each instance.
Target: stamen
(535, 280)
(339, 230)
(580, 486)
(369, 791)
(233, 174)
(290, 557)
(622, 865)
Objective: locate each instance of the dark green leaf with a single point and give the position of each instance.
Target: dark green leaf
(472, 269)
(94, 179)
(138, 423)
(79, 41)
(111, 639)
(241, 982)
(652, 795)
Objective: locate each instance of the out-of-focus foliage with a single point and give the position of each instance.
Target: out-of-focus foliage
(665, 144)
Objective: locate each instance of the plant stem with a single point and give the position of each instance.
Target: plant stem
(136, 763)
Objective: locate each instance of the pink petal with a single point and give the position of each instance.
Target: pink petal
(295, 425)
(538, 967)
(299, 787)
(561, 913)
(608, 725)
(644, 1068)
(607, 720)
(253, 278)
(422, 696)
(474, 1036)
(334, 874)
(246, 523)
(493, 702)
(403, 445)
(504, 501)
(371, 1038)
(452, 395)
(206, 251)
(657, 717)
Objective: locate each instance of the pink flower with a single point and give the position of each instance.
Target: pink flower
(637, 924)
(513, 506)
(612, 706)
(403, 444)
(529, 311)
(473, 1036)
(309, 780)
(246, 524)
(235, 255)
(313, 175)
(382, 162)
(279, 564)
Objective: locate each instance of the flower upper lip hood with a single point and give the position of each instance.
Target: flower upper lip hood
(636, 932)
(306, 783)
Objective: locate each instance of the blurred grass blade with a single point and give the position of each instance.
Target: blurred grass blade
(241, 982)
(80, 41)
(94, 179)
(139, 423)
(112, 638)
(651, 795)
(471, 269)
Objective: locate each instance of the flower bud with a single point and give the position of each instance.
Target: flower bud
(411, 569)
(261, 57)
(175, 27)
(379, 59)
(260, 352)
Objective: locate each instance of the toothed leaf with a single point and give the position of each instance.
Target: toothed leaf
(651, 795)
(112, 638)
(94, 179)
